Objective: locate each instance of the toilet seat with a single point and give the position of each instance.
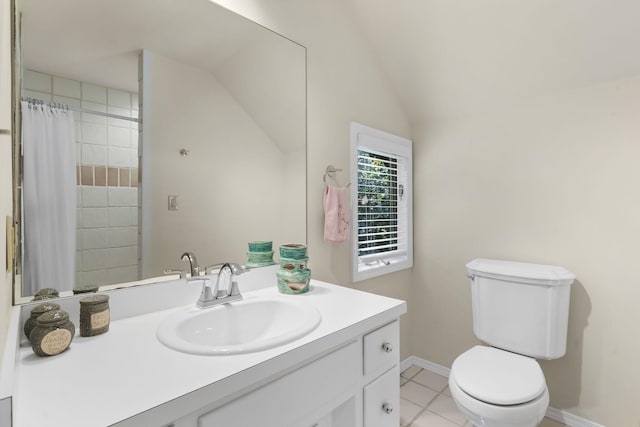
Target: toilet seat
(498, 377)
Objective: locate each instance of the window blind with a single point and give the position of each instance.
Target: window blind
(379, 197)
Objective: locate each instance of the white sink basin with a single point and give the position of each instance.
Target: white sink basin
(239, 327)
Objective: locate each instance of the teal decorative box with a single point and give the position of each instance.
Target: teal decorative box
(260, 254)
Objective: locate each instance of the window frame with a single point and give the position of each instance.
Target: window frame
(380, 142)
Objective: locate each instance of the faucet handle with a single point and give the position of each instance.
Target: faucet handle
(205, 295)
(169, 271)
(235, 290)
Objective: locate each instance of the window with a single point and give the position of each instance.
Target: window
(381, 214)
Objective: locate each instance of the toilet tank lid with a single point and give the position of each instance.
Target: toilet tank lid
(498, 377)
(537, 273)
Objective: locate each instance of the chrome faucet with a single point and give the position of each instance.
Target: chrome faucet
(231, 292)
(193, 263)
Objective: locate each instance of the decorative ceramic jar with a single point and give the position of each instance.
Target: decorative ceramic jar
(260, 254)
(53, 333)
(36, 311)
(46, 293)
(94, 315)
(86, 289)
(293, 276)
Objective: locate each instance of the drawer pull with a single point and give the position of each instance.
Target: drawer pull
(387, 408)
(387, 347)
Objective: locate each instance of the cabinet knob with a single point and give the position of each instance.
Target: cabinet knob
(387, 408)
(387, 347)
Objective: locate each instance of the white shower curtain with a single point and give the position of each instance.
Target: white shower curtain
(49, 198)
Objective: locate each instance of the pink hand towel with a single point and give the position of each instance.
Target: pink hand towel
(336, 214)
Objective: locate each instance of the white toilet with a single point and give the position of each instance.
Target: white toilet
(521, 310)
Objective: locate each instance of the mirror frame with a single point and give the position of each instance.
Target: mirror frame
(16, 136)
(16, 145)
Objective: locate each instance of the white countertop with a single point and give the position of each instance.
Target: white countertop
(109, 378)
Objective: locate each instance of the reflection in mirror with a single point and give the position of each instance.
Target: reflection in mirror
(189, 130)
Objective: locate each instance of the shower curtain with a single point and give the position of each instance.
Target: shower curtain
(49, 198)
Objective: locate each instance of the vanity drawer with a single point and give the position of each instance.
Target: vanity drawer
(382, 349)
(382, 400)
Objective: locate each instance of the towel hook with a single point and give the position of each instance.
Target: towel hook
(330, 173)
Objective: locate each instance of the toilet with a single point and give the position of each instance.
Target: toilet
(521, 311)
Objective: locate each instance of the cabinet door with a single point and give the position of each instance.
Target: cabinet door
(293, 396)
(382, 400)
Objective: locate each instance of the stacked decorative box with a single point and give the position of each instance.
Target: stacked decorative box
(293, 276)
(260, 254)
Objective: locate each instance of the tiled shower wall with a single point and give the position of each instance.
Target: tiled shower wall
(107, 171)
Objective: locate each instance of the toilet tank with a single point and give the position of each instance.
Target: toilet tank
(521, 307)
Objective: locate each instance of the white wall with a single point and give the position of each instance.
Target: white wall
(6, 202)
(344, 84)
(244, 170)
(551, 180)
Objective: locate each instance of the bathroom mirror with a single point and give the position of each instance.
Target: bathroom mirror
(203, 145)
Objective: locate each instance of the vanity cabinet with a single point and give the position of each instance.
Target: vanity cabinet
(356, 384)
(344, 373)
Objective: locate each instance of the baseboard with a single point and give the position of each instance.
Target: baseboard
(425, 364)
(552, 413)
(569, 419)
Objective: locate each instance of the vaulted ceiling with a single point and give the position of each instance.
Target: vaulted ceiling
(453, 57)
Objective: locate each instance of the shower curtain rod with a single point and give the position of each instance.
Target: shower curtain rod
(81, 110)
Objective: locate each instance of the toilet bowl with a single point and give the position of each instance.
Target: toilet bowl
(496, 388)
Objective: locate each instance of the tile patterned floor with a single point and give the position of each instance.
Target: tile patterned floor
(425, 401)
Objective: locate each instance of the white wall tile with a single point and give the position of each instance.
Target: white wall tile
(33, 80)
(71, 102)
(94, 259)
(121, 257)
(93, 133)
(46, 97)
(66, 87)
(94, 238)
(123, 236)
(96, 277)
(94, 154)
(122, 274)
(123, 196)
(126, 112)
(94, 197)
(119, 157)
(94, 118)
(123, 217)
(119, 136)
(118, 98)
(94, 217)
(94, 93)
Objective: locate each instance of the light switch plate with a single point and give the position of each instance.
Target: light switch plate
(173, 202)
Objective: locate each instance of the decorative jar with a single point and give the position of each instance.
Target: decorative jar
(53, 333)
